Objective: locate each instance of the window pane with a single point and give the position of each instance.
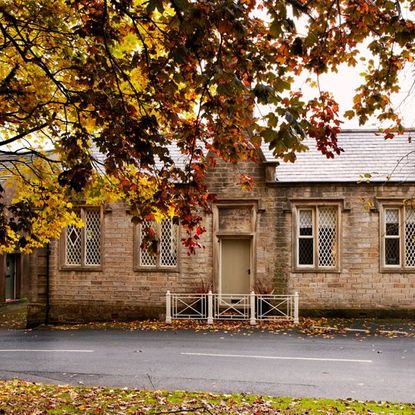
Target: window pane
(392, 251)
(168, 244)
(306, 222)
(327, 221)
(410, 237)
(392, 222)
(73, 246)
(92, 237)
(305, 251)
(147, 259)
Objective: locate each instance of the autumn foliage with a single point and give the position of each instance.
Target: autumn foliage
(113, 86)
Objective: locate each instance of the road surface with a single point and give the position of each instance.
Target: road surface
(375, 368)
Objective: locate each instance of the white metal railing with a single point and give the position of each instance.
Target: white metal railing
(213, 306)
(188, 306)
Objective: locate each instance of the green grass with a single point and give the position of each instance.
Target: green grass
(18, 397)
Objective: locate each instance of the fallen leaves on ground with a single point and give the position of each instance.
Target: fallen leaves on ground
(24, 398)
(13, 315)
(324, 327)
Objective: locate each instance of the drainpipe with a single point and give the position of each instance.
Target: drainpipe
(47, 285)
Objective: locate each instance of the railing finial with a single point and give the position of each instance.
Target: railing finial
(210, 308)
(296, 307)
(168, 307)
(252, 320)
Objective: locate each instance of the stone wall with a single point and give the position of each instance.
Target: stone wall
(37, 267)
(240, 210)
(265, 215)
(360, 283)
(119, 291)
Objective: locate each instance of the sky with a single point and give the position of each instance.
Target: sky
(343, 85)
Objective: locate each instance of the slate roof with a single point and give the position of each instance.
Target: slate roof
(178, 158)
(365, 152)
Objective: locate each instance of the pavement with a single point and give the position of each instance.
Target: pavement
(13, 315)
(371, 326)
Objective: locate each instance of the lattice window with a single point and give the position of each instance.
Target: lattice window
(92, 237)
(73, 252)
(83, 245)
(327, 221)
(168, 244)
(317, 249)
(166, 252)
(410, 237)
(399, 236)
(147, 259)
(306, 237)
(392, 236)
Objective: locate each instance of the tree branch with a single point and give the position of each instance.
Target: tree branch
(23, 134)
(9, 77)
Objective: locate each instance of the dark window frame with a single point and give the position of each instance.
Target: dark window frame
(401, 237)
(315, 266)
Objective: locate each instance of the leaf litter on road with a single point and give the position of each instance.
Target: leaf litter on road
(322, 327)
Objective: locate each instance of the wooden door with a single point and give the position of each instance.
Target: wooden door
(235, 266)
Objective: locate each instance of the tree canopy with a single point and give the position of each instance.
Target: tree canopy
(130, 79)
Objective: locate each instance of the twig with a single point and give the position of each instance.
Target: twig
(180, 411)
(149, 378)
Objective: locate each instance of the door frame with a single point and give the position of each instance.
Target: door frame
(219, 234)
(251, 260)
(17, 259)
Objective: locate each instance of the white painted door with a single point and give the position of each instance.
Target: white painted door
(235, 266)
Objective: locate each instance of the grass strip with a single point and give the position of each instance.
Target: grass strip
(20, 397)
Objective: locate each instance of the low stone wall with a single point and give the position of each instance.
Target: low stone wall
(83, 313)
(381, 313)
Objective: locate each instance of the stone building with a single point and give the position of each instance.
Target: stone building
(15, 268)
(16, 277)
(340, 232)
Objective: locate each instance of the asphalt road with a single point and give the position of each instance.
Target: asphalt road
(375, 368)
